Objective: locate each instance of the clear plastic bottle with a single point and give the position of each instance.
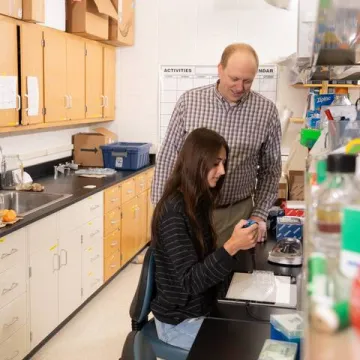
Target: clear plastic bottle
(341, 188)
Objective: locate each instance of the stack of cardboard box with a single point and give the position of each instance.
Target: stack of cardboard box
(28, 10)
(110, 21)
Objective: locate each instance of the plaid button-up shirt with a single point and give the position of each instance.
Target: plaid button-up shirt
(252, 130)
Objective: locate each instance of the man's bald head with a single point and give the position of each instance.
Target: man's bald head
(241, 48)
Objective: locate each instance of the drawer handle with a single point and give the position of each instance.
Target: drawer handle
(142, 185)
(114, 199)
(113, 266)
(94, 233)
(95, 282)
(129, 191)
(113, 222)
(94, 207)
(12, 251)
(14, 320)
(94, 258)
(13, 357)
(12, 287)
(114, 243)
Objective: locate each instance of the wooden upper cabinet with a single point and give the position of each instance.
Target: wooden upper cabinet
(32, 67)
(56, 99)
(109, 82)
(95, 100)
(75, 71)
(9, 108)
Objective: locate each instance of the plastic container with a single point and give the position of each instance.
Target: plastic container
(126, 155)
(287, 327)
(308, 137)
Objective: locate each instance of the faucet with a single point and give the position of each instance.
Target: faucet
(61, 168)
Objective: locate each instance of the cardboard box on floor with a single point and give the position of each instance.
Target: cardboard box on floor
(11, 8)
(90, 18)
(87, 150)
(121, 30)
(34, 10)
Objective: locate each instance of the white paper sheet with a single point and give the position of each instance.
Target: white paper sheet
(8, 92)
(33, 95)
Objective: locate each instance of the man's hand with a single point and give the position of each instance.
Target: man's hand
(262, 233)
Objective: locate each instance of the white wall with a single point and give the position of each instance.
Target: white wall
(187, 32)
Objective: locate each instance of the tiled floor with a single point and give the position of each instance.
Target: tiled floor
(99, 330)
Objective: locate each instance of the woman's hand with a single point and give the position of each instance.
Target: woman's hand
(242, 238)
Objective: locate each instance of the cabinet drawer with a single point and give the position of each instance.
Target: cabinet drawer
(93, 278)
(112, 221)
(12, 317)
(12, 284)
(150, 175)
(111, 265)
(12, 250)
(42, 235)
(93, 206)
(92, 254)
(14, 348)
(93, 230)
(112, 243)
(128, 190)
(112, 198)
(141, 183)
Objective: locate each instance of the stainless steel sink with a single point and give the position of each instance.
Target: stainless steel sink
(24, 203)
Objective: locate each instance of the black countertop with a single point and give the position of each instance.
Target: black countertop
(69, 184)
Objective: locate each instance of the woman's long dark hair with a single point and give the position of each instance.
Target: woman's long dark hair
(197, 157)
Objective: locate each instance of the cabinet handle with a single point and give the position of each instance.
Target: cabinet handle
(19, 102)
(70, 101)
(66, 260)
(56, 256)
(94, 258)
(94, 233)
(113, 222)
(27, 101)
(114, 199)
(14, 320)
(113, 266)
(129, 191)
(114, 243)
(103, 101)
(94, 207)
(14, 356)
(67, 102)
(106, 101)
(12, 251)
(12, 287)
(95, 282)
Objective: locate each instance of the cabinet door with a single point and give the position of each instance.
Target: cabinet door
(55, 95)
(69, 273)
(109, 82)
(94, 80)
(141, 218)
(149, 216)
(44, 307)
(75, 70)
(9, 116)
(128, 230)
(32, 68)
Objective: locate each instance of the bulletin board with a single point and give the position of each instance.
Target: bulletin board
(175, 80)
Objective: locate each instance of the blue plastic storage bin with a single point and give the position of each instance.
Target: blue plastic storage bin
(126, 155)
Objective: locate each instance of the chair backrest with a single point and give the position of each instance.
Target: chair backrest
(137, 347)
(145, 292)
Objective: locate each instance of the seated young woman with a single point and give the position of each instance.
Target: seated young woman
(188, 266)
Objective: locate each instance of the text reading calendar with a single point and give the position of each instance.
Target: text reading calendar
(175, 80)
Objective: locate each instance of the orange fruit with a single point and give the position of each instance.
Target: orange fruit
(10, 215)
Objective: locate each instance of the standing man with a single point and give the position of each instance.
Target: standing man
(250, 124)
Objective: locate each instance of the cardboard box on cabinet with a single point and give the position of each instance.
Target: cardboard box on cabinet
(33, 11)
(87, 150)
(11, 8)
(90, 18)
